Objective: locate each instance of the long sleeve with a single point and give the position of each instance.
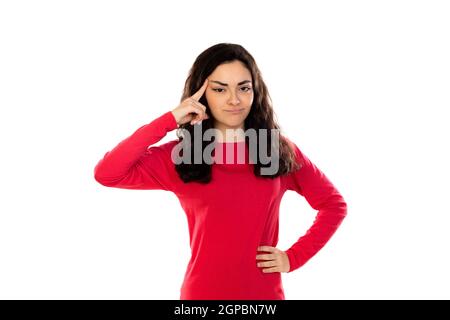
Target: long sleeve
(310, 182)
(132, 164)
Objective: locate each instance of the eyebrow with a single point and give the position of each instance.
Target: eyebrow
(226, 84)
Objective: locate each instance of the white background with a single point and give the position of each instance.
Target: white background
(362, 87)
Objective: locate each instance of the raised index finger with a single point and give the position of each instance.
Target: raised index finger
(200, 91)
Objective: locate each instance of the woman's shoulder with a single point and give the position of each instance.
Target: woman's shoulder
(292, 145)
(300, 157)
(288, 140)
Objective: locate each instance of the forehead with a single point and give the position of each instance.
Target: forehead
(231, 72)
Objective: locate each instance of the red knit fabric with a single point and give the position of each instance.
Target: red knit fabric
(228, 218)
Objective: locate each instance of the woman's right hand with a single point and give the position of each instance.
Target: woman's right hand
(190, 109)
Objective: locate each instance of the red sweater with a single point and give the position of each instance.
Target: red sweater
(228, 218)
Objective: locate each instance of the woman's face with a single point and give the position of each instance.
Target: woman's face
(230, 95)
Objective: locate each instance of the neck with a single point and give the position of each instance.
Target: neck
(229, 134)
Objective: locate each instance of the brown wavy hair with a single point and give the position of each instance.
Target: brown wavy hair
(261, 115)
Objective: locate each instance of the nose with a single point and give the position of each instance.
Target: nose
(233, 99)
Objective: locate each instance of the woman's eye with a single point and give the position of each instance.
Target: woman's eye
(246, 89)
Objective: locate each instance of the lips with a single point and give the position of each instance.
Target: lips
(235, 110)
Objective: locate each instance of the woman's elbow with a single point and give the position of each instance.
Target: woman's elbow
(101, 178)
(342, 205)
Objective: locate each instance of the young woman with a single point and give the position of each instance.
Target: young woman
(232, 206)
